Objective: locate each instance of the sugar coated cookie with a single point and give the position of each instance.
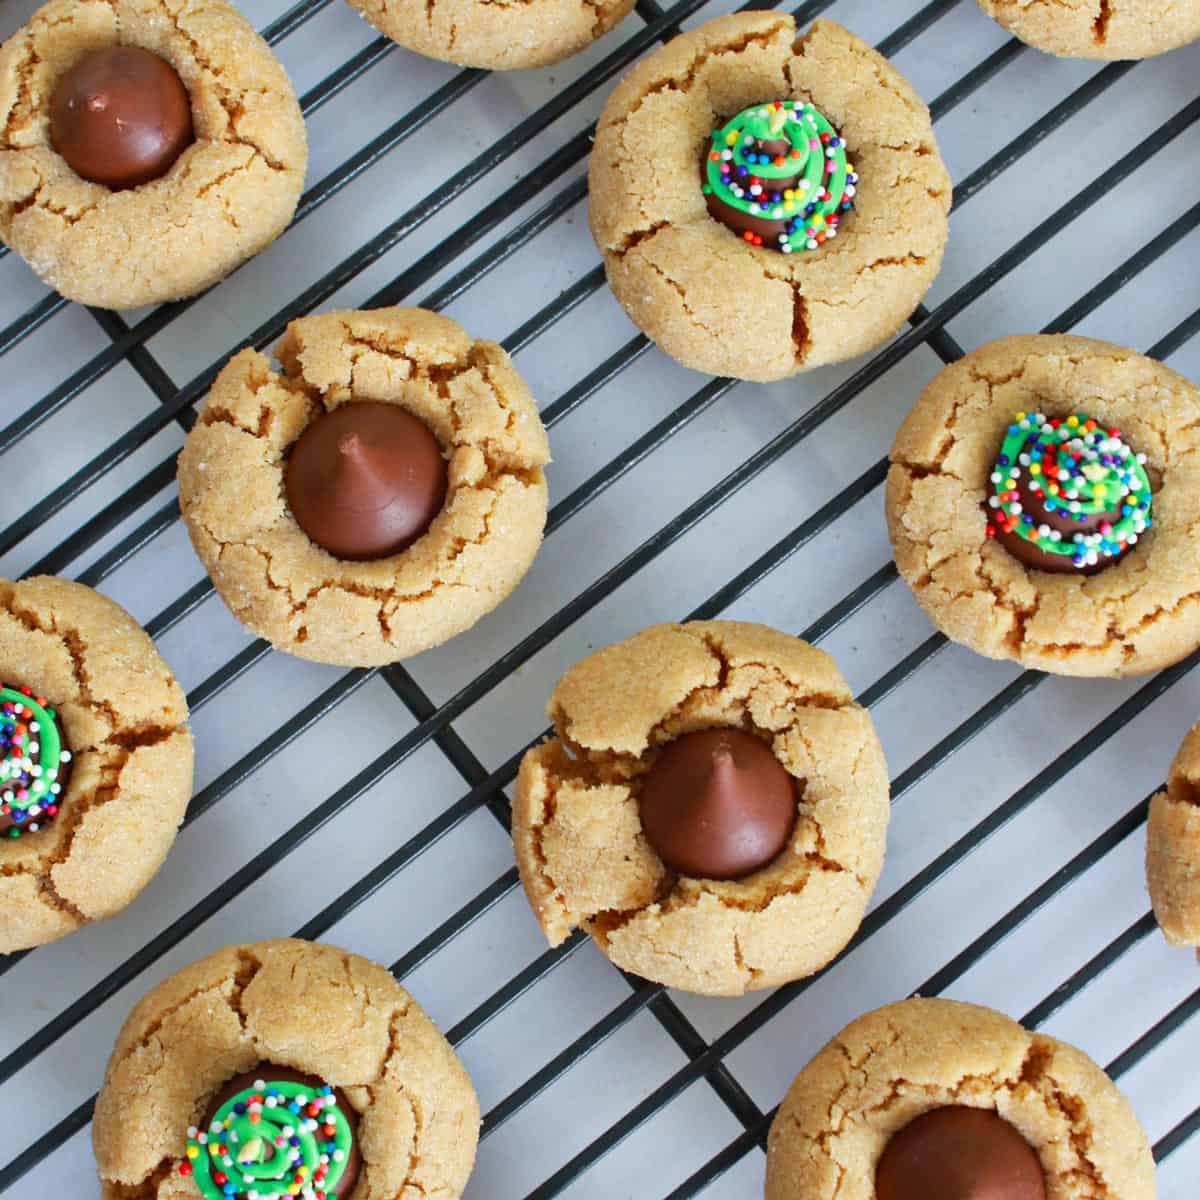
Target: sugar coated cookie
(767, 202)
(713, 809)
(278, 1069)
(932, 1098)
(499, 35)
(1099, 28)
(1041, 503)
(95, 759)
(1173, 847)
(146, 148)
(377, 496)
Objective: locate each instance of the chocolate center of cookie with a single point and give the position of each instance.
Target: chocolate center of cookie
(275, 1131)
(1067, 495)
(717, 804)
(777, 175)
(120, 117)
(959, 1153)
(366, 480)
(35, 763)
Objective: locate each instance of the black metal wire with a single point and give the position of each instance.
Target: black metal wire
(433, 722)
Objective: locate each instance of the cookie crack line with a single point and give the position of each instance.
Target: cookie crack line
(677, 83)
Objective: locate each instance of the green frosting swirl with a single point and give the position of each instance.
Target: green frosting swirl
(741, 175)
(274, 1139)
(32, 757)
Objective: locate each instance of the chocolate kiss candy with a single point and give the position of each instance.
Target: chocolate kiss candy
(717, 804)
(121, 117)
(958, 1153)
(365, 480)
(270, 1073)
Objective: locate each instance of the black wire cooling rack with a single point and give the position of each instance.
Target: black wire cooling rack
(971, 905)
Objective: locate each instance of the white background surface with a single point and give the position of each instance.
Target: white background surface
(1018, 973)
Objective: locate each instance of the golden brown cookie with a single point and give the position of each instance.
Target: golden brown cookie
(585, 859)
(1135, 616)
(893, 1065)
(498, 35)
(112, 703)
(227, 196)
(289, 590)
(312, 1008)
(1099, 28)
(708, 298)
(1173, 847)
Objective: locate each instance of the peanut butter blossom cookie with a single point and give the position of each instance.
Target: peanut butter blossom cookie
(777, 174)
(1040, 503)
(1067, 495)
(95, 759)
(496, 36)
(146, 149)
(767, 200)
(34, 762)
(938, 1100)
(1173, 847)
(283, 1069)
(712, 808)
(379, 494)
(1104, 29)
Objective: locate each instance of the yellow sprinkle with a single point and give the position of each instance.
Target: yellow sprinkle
(1072, 421)
(193, 1152)
(1035, 469)
(1020, 416)
(730, 139)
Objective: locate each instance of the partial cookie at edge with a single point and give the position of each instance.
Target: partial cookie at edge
(1099, 29)
(1173, 847)
(123, 713)
(224, 200)
(358, 1030)
(499, 35)
(888, 1067)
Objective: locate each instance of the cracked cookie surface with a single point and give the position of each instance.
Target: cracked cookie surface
(312, 1007)
(229, 194)
(891, 1065)
(1136, 616)
(298, 596)
(123, 714)
(498, 35)
(1173, 847)
(706, 297)
(1102, 29)
(585, 861)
